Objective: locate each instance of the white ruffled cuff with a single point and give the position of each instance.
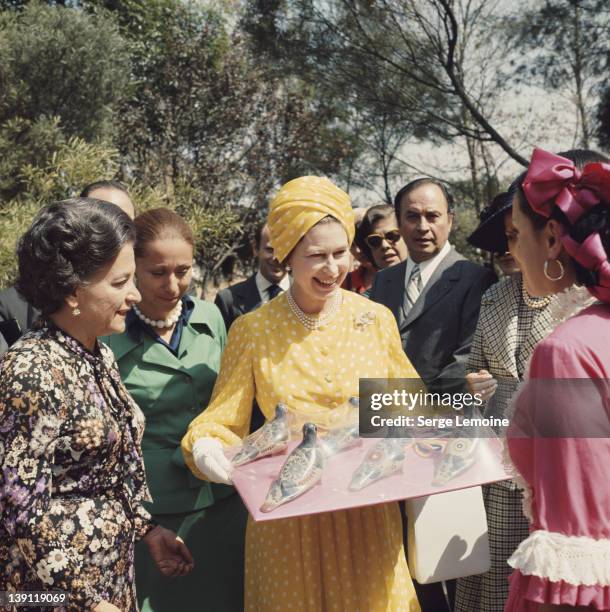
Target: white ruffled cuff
(577, 560)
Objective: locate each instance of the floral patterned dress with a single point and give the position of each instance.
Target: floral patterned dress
(72, 478)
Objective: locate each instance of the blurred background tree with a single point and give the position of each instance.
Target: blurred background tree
(207, 106)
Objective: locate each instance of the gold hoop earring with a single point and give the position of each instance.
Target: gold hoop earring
(561, 271)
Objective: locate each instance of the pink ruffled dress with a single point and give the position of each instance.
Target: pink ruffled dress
(559, 442)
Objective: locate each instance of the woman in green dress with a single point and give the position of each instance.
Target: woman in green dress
(169, 358)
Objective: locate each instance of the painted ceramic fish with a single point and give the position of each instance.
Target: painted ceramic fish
(340, 439)
(300, 472)
(457, 456)
(271, 438)
(382, 460)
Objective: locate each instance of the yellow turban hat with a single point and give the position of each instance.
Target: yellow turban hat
(299, 205)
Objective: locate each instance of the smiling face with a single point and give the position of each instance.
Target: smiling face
(425, 221)
(269, 266)
(106, 298)
(164, 274)
(319, 263)
(388, 252)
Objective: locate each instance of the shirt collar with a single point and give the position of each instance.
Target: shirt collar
(262, 284)
(427, 268)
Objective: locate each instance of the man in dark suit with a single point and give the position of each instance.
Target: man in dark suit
(270, 280)
(435, 295)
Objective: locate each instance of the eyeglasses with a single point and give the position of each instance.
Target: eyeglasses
(375, 240)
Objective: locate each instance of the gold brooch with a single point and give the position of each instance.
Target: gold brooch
(363, 320)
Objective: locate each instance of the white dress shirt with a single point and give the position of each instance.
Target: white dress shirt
(427, 268)
(262, 284)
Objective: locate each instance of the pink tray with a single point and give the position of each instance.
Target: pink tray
(254, 479)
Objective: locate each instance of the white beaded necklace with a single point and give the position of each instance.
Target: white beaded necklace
(534, 302)
(314, 322)
(163, 323)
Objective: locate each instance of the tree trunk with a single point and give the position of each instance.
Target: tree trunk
(578, 76)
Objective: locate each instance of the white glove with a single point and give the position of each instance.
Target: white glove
(211, 461)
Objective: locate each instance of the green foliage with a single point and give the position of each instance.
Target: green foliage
(62, 70)
(207, 122)
(13, 222)
(71, 166)
(23, 142)
(206, 107)
(62, 62)
(464, 223)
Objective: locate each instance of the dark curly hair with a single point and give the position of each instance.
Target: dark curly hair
(67, 243)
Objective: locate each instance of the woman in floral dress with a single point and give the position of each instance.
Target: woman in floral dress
(72, 480)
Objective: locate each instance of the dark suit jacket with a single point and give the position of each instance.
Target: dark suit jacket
(438, 330)
(237, 300)
(16, 315)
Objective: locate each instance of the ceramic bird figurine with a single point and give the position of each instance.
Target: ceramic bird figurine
(300, 472)
(383, 459)
(340, 439)
(271, 438)
(457, 456)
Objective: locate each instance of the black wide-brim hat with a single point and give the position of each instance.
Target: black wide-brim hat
(490, 234)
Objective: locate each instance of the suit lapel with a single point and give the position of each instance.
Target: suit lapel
(247, 297)
(394, 289)
(439, 285)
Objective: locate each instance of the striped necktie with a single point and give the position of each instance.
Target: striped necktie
(414, 287)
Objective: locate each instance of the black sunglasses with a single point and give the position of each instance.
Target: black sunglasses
(375, 240)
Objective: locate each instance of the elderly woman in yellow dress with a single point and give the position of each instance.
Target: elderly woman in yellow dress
(308, 348)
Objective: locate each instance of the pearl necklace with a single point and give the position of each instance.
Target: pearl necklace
(162, 323)
(533, 302)
(314, 322)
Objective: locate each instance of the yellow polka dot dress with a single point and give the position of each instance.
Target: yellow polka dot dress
(349, 560)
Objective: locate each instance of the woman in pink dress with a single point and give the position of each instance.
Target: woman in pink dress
(559, 439)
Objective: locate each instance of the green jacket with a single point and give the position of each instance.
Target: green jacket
(171, 391)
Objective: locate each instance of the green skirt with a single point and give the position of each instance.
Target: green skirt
(215, 536)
